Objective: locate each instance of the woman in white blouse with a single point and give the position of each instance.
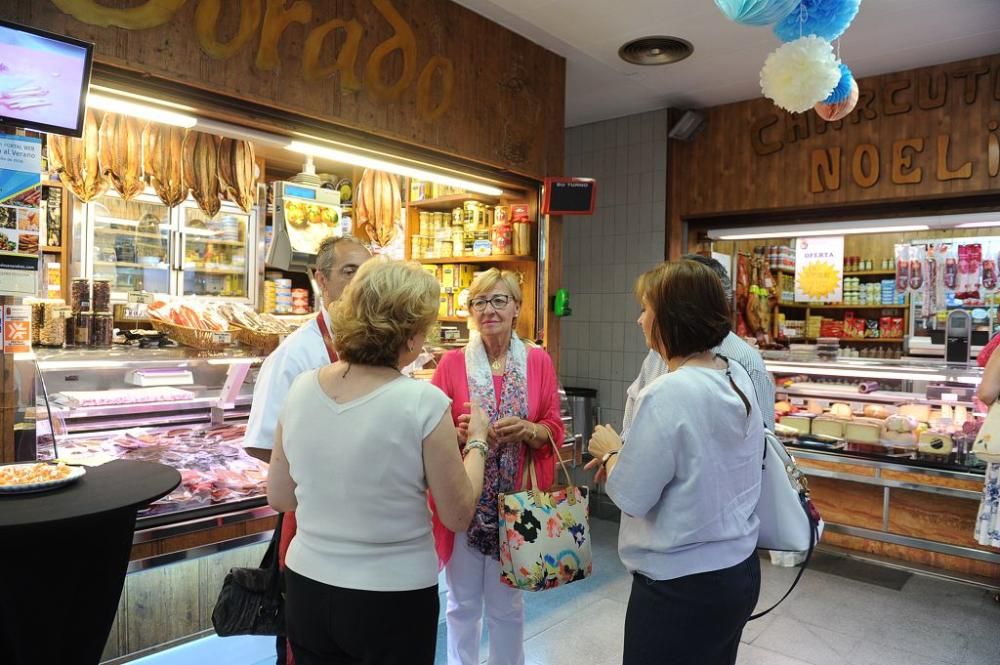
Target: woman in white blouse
(358, 446)
(687, 480)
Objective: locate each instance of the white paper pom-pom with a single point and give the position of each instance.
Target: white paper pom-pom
(800, 74)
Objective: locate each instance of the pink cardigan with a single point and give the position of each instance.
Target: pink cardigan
(543, 408)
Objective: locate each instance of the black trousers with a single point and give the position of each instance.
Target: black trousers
(693, 620)
(329, 625)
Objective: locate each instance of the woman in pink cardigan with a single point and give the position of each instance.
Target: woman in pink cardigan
(515, 383)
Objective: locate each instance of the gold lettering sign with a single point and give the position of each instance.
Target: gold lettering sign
(273, 18)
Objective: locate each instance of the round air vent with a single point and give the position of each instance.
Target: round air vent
(655, 50)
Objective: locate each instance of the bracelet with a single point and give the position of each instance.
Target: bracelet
(607, 458)
(477, 444)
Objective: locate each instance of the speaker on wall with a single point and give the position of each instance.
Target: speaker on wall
(689, 125)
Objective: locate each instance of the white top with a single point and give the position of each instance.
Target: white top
(732, 347)
(301, 351)
(358, 467)
(688, 477)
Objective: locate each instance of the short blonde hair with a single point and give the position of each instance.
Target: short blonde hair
(487, 280)
(385, 305)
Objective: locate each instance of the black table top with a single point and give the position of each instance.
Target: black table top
(112, 486)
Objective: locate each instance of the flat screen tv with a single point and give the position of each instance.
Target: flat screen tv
(43, 79)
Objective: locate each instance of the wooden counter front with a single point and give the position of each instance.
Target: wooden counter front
(872, 502)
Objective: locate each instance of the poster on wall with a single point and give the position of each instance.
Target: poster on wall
(20, 200)
(819, 269)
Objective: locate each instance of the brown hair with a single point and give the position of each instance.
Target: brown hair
(690, 312)
(386, 304)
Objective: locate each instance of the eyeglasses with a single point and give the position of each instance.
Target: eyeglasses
(498, 302)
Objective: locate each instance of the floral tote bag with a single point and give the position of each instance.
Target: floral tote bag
(545, 536)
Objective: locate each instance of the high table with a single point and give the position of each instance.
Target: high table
(63, 557)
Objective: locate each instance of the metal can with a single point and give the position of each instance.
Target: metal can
(457, 217)
(444, 248)
(426, 223)
(458, 242)
(416, 247)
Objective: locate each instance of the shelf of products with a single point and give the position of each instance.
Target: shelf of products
(857, 306)
(507, 258)
(124, 232)
(446, 203)
(870, 273)
(129, 264)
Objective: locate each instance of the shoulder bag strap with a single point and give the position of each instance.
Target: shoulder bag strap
(324, 331)
(805, 564)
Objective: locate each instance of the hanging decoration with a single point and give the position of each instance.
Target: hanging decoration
(833, 111)
(843, 89)
(824, 18)
(800, 74)
(756, 12)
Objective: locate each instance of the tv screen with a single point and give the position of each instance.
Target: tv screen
(43, 79)
(569, 196)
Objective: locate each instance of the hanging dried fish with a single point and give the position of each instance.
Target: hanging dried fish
(377, 206)
(236, 171)
(80, 162)
(121, 153)
(162, 151)
(201, 170)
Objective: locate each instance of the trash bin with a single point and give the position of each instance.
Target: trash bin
(585, 411)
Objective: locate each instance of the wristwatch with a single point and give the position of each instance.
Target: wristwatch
(607, 458)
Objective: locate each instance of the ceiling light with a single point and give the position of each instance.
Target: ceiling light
(364, 161)
(656, 50)
(143, 111)
(978, 225)
(807, 233)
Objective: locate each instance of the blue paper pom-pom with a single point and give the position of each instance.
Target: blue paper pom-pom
(843, 89)
(824, 18)
(756, 12)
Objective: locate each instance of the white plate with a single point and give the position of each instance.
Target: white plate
(74, 474)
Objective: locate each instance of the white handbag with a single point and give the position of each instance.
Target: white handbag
(987, 444)
(788, 520)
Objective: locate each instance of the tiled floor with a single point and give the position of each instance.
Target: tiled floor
(829, 620)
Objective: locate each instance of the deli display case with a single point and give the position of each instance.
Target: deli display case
(143, 245)
(886, 447)
(175, 406)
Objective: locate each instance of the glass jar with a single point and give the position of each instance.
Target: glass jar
(79, 291)
(502, 237)
(101, 296)
(416, 247)
(522, 238)
(102, 334)
(53, 329)
(426, 224)
(82, 327)
(457, 241)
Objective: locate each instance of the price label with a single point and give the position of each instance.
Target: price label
(222, 338)
(949, 397)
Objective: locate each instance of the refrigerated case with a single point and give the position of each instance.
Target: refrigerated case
(905, 497)
(142, 244)
(176, 406)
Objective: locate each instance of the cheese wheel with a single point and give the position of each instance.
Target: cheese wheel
(841, 410)
(921, 412)
(934, 443)
(799, 423)
(826, 426)
(863, 430)
(876, 411)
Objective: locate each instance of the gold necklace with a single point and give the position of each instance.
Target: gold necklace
(496, 364)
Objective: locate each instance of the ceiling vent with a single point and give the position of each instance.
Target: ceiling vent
(655, 50)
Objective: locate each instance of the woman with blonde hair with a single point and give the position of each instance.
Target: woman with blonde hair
(515, 384)
(357, 448)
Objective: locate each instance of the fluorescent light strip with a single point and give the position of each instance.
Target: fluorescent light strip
(868, 373)
(812, 233)
(399, 169)
(978, 225)
(143, 111)
(141, 99)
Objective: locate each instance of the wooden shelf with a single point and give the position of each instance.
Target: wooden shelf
(52, 183)
(872, 340)
(453, 201)
(798, 305)
(480, 259)
(871, 273)
(787, 271)
(453, 319)
(127, 264)
(48, 249)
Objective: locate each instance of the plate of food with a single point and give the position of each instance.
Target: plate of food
(37, 477)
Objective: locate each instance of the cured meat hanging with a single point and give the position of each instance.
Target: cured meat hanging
(236, 171)
(201, 170)
(163, 150)
(120, 153)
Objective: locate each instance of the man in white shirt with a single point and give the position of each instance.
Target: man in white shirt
(732, 347)
(307, 348)
(336, 262)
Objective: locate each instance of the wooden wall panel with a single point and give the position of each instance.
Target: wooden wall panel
(936, 126)
(983, 569)
(504, 107)
(843, 502)
(161, 605)
(933, 517)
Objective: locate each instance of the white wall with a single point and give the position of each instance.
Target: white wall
(601, 345)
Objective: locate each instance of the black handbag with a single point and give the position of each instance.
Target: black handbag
(252, 601)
